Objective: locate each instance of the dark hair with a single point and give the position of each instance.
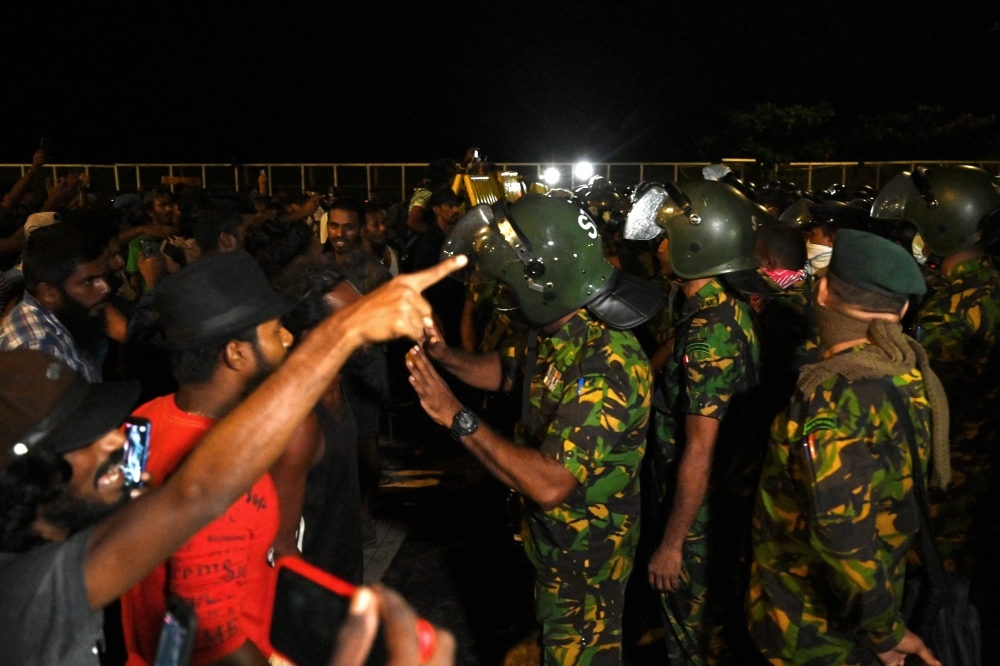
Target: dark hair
(98, 223)
(275, 245)
(197, 365)
(217, 218)
(865, 300)
(351, 206)
(27, 483)
(442, 196)
(783, 242)
(53, 253)
(307, 283)
(157, 193)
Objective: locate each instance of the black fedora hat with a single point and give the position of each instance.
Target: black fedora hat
(45, 405)
(216, 296)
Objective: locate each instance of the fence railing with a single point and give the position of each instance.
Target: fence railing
(396, 180)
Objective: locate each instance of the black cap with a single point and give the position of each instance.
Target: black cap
(875, 264)
(216, 296)
(45, 405)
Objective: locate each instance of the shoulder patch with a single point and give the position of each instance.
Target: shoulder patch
(819, 423)
(698, 348)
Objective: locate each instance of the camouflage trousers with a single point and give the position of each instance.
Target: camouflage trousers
(704, 621)
(581, 614)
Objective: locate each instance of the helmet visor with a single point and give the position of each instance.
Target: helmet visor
(641, 221)
(890, 204)
(477, 236)
(798, 214)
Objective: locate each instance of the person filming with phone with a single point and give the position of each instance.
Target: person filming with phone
(73, 538)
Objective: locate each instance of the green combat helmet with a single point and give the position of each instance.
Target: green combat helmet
(951, 206)
(711, 226)
(548, 251)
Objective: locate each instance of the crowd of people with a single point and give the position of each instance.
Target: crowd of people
(784, 388)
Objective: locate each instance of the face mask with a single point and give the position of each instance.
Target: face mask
(918, 249)
(819, 255)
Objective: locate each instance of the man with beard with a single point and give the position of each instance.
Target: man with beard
(220, 323)
(62, 313)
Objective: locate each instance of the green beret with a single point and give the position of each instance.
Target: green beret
(875, 264)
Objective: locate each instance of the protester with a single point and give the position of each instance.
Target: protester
(321, 484)
(373, 237)
(62, 313)
(220, 322)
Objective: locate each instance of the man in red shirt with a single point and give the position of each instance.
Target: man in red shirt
(221, 325)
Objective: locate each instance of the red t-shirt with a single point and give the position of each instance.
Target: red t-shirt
(222, 572)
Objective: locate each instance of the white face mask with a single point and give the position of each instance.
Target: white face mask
(918, 249)
(819, 255)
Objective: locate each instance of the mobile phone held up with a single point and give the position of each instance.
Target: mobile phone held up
(310, 606)
(136, 453)
(177, 635)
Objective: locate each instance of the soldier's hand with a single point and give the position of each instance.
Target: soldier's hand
(435, 396)
(665, 568)
(434, 345)
(911, 644)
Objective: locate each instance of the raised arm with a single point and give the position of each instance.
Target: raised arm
(126, 546)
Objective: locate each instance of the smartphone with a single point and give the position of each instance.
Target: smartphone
(177, 635)
(45, 145)
(137, 431)
(310, 606)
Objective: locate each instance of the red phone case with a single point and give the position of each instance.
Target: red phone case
(426, 639)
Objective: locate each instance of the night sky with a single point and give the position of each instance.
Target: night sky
(367, 81)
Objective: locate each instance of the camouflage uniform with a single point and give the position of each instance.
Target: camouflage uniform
(833, 521)
(712, 369)
(590, 399)
(958, 327)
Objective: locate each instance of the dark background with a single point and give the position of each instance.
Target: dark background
(550, 80)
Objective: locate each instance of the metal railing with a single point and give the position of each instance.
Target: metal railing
(396, 180)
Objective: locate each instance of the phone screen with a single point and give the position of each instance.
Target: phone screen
(177, 636)
(136, 451)
(307, 619)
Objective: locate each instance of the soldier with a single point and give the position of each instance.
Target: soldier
(835, 511)
(707, 450)
(582, 432)
(953, 208)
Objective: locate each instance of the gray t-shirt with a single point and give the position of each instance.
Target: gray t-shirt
(44, 613)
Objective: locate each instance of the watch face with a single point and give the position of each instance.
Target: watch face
(466, 420)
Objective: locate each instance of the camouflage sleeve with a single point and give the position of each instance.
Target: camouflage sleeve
(839, 471)
(943, 328)
(712, 370)
(594, 411)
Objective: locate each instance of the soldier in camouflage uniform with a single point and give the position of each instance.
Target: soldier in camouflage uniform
(581, 439)
(835, 511)
(707, 451)
(953, 208)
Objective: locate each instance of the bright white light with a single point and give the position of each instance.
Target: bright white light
(551, 176)
(583, 170)
(20, 449)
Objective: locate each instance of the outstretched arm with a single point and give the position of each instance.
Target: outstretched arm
(127, 545)
(529, 472)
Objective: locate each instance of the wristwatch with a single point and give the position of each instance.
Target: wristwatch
(465, 423)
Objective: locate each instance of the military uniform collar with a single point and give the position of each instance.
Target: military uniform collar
(581, 327)
(969, 266)
(708, 296)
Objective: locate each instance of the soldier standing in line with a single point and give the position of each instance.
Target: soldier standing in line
(835, 512)
(707, 449)
(956, 209)
(581, 438)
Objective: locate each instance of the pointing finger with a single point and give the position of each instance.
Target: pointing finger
(434, 274)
